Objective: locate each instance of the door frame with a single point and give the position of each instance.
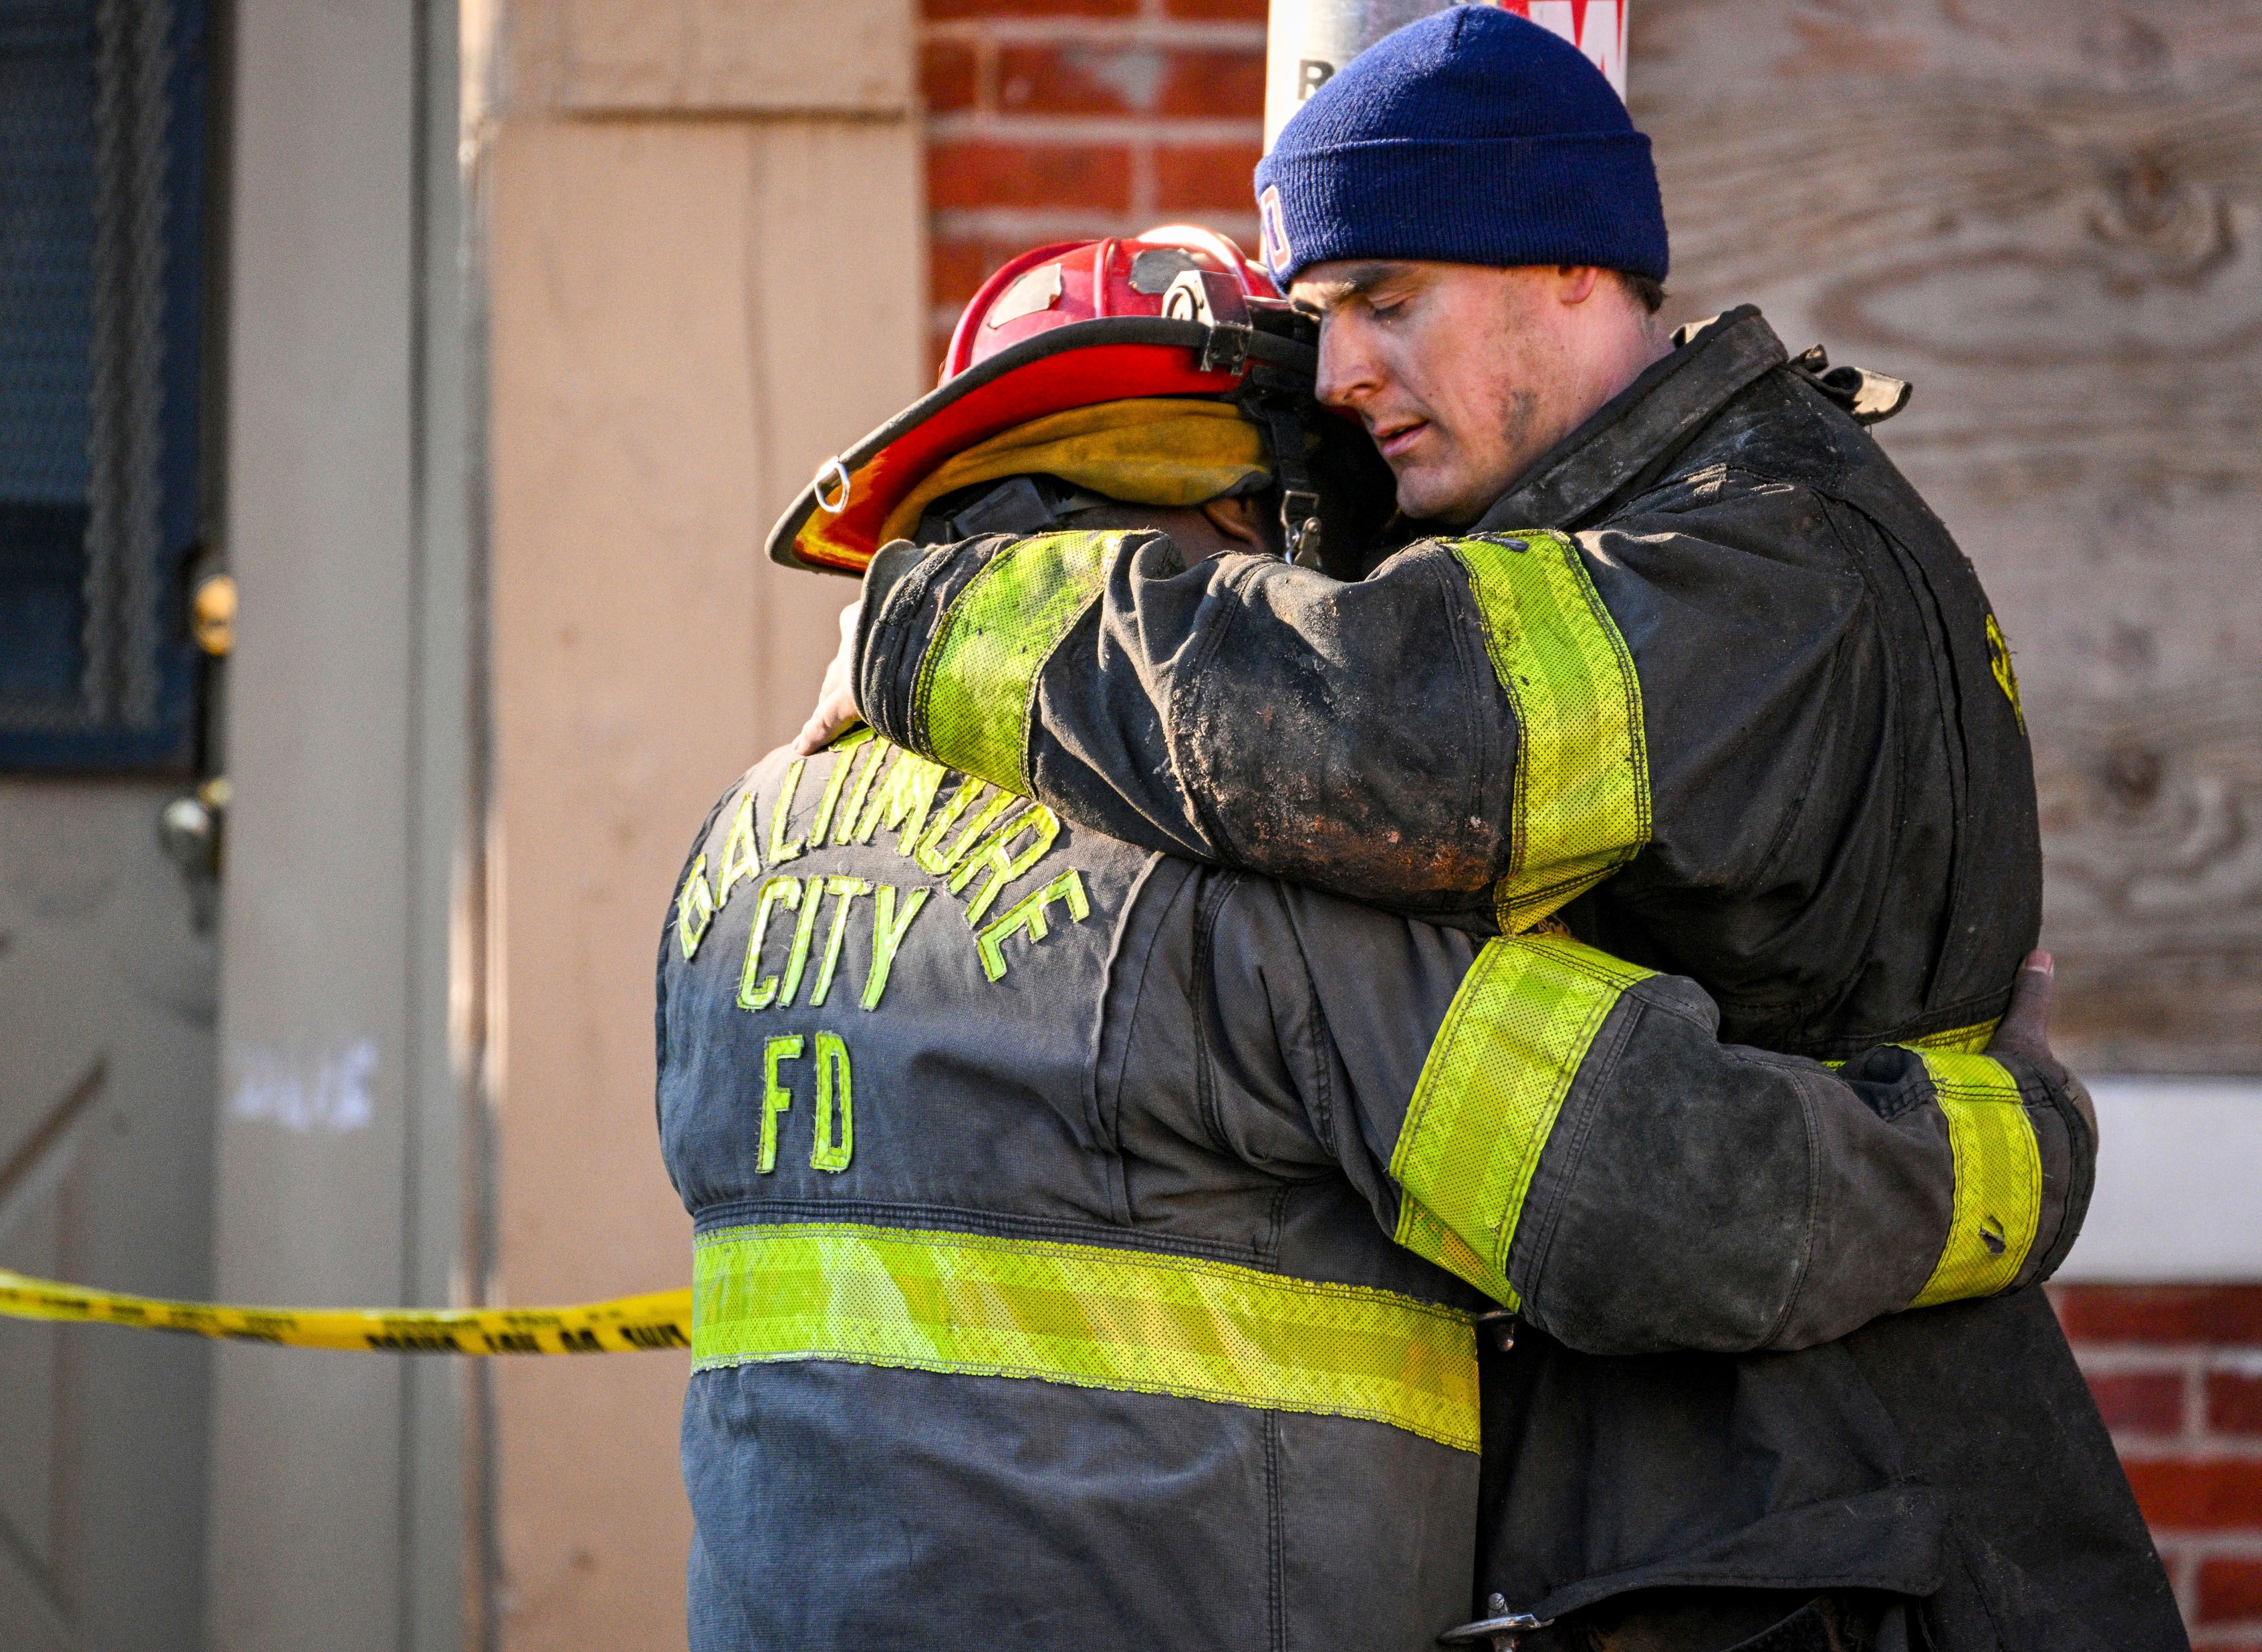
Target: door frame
(353, 967)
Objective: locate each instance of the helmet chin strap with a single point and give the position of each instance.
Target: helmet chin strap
(1274, 396)
(1300, 502)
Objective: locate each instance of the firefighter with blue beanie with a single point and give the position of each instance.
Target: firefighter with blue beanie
(1474, 138)
(1659, 650)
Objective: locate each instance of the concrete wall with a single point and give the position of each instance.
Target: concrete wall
(706, 272)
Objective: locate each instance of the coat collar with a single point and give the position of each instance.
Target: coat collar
(1647, 422)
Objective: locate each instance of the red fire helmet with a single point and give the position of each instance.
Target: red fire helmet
(1178, 311)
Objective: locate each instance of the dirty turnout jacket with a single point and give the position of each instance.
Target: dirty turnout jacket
(1713, 687)
(1088, 1241)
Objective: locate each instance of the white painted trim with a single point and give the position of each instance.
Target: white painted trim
(2177, 1198)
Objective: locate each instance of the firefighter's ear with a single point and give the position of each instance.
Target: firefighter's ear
(1240, 520)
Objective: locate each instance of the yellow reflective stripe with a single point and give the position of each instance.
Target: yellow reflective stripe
(1998, 1178)
(977, 684)
(1495, 1081)
(1959, 1040)
(1581, 799)
(1970, 1040)
(976, 1304)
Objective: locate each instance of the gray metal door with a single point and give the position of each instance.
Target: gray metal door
(107, 982)
(106, 998)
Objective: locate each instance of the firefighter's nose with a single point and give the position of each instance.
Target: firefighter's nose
(1348, 373)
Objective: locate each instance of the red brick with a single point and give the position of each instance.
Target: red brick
(2185, 1495)
(2140, 1402)
(1220, 84)
(2230, 1589)
(1243, 10)
(1101, 80)
(1205, 178)
(942, 10)
(947, 72)
(978, 174)
(2205, 1314)
(1078, 79)
(2234, 1403)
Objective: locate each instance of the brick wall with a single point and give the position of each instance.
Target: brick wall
(1059, 119)
(2177, 1370)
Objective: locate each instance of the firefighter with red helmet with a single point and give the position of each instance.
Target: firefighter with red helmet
(1082, 1243)
(1676, 659)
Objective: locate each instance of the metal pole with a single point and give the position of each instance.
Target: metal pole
(1308, 40)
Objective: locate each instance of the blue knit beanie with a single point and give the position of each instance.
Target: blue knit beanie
(1472, 137)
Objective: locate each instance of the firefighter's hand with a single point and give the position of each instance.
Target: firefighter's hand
(2025, 1032)
(836, 700)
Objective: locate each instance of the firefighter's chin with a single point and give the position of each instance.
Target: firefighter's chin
(1433, 488)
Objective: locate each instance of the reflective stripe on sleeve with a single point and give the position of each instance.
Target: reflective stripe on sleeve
(1490, 1091)
(1092, 1317)
(1581, 805)
(1971, 1040)
(1959, 1040)
(1998, 1178)
(976, 687)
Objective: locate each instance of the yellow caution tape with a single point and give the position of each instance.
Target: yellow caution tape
(623, 1325)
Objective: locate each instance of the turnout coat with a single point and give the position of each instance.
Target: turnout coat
(1090, 1243)
(1711, 688)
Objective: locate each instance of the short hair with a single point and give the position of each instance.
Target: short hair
(1646, 291)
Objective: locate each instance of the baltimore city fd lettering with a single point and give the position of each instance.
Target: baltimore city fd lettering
(979, 844)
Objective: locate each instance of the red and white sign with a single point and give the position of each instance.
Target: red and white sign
(1596, 27)
(1308, 40)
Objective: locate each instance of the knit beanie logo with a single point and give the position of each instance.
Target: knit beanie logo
(1272, 237)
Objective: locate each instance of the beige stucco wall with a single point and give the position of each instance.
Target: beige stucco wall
(705, 275)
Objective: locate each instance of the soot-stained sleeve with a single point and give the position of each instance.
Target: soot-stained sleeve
(1695, 1195)
(1566, 1133)
(1476, 732)
(1240, 710)
(1569, 1134)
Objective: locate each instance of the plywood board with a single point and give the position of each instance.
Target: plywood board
(2050, 218)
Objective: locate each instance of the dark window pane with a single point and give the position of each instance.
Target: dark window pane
(42, 573)
(101, 187)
